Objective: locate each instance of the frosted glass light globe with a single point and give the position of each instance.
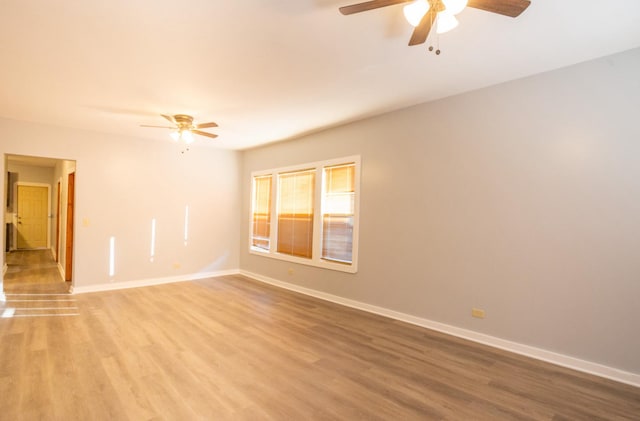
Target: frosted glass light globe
(414, 12)
(446, 22)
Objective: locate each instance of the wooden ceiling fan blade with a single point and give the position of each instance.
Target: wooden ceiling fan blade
(421, 32)
(511, 8)
(159, 127)
(168, 117)
(201, 133)
(369, 5)
(206, 125)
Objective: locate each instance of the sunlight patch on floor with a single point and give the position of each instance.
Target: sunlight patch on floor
(38, 305)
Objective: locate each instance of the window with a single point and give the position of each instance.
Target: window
(295, 213)
(261, 214)
(307, 214)
(338, 209)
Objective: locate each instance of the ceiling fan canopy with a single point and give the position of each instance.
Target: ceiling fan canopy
(426, 12)
(183, 127)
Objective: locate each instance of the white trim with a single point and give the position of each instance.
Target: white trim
(61, 270)
(150, 282)
(518, 348)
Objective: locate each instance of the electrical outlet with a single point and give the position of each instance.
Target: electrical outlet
(477, 313)
(290, 271)
(176, 265)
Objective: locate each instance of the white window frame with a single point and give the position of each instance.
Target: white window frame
(316, 257)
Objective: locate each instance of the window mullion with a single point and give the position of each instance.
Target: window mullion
(273, 219)
(356, 212)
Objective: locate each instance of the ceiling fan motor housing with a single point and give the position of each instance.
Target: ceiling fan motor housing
(183, 121)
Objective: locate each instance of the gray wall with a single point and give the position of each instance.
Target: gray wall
(522, 199)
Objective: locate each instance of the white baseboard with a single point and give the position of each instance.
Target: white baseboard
(61, 270)
(150, 282)
(529, 351)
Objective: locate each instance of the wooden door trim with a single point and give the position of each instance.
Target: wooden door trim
(58, 209)
(15, 215)
(68, 241)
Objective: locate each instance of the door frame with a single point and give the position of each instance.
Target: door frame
(58, 207)
(70, 226)
(14, 216)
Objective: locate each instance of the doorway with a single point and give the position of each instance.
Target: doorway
(39, 222)
(33, 209)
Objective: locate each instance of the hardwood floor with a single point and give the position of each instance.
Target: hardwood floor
(232, 348)
(33, 271)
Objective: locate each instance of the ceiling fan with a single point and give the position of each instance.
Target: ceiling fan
(184, 129)
(424, 13)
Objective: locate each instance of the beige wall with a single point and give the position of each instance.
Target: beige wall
(31, 174)
(122, 184)
(522, 199)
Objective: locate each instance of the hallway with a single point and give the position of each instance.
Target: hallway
(33, 271)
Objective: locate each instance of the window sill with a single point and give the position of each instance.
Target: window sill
(315, 262)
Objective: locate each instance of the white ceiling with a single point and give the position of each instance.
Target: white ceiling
(271, 70)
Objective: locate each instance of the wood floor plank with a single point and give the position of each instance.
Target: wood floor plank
(129, 390)
(10, 399)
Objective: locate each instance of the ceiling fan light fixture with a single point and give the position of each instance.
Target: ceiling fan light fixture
(420, 13)
(455, 6)
(187, 136)
(415, 11)
(183, 128)
(184, 135)
(446, 22)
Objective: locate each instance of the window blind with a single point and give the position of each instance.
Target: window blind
(295, 213)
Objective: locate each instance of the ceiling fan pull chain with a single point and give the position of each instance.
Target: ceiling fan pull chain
(433, 19)
(437, 46)
(437, 35)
